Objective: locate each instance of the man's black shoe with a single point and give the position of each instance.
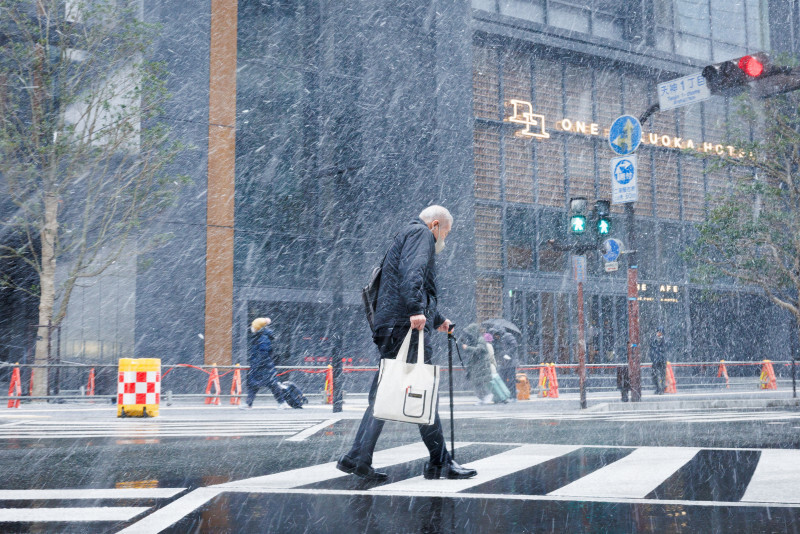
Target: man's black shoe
(360, 469)
(346, 464)
(449, 470)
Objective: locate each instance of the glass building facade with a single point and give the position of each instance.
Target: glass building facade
(523, 184)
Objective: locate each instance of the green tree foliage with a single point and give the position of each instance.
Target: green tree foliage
(752, 235)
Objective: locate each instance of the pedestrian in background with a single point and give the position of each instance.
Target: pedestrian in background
(262, 366)
(479, 362)
(407, 298)
(505, 352)
(658, 357)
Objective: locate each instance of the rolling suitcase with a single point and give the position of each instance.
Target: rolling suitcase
(292, 395)
(499, 389)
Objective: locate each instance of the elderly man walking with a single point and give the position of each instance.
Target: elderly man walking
(407, 299)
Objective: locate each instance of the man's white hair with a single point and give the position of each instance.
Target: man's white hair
(436, 212)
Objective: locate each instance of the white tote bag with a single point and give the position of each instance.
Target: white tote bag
(407, 392)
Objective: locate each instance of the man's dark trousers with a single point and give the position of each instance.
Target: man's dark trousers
(370, 428)
(660, 375)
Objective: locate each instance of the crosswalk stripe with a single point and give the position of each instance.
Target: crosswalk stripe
(164, 429)
(776, 478)
(489, 468)
(69, 494)
(633, 476)
(310, 431)
(37, 515)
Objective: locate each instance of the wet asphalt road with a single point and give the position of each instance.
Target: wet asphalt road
(718, 463)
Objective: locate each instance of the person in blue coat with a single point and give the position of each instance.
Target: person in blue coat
(262, 366)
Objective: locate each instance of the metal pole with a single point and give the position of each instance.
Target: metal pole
(581, 348)
(450, 374)
(634, 355)
(794, 379)
(336, 350)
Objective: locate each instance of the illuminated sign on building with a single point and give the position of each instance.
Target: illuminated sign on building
(523, 114)
(535, 126)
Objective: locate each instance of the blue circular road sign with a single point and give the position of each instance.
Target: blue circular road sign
(612, 248)
(625, 135)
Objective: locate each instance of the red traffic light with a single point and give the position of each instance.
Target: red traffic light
(751, 66)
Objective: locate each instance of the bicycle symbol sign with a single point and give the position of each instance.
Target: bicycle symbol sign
(623, 180)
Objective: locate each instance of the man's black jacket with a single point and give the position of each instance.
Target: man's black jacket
(408, 281)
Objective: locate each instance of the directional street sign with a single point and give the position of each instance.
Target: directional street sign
(683, 91)
(623, 180)
(612, 248)
(625, 135)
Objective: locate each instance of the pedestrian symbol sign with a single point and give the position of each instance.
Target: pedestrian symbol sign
(578, 224)
(623, 180)
(625, 135)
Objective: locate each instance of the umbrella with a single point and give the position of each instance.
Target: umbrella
(499, 322)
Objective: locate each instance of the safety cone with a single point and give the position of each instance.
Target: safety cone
(543, 380)
(670, 380)
(213, 379)
(767, 379)
(14, 388)
(236, 387)
(329, 385)
(723, 371)
(90, 384)
(553, 391)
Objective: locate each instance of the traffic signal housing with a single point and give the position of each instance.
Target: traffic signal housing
(577, 215)
(734, 76)
(602, 213)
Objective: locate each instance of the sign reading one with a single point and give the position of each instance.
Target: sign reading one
(683, 91)
(625, 135)
(623, 180)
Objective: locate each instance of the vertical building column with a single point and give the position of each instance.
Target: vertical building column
(221, 174)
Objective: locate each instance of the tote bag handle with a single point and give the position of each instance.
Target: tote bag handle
(402, 355)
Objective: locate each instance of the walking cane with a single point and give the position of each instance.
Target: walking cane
(450, 374)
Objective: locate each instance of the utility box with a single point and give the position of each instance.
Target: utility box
(139, 387)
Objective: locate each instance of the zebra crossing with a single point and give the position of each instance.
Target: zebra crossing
(296, 430)
(514, 472)
(537, 472)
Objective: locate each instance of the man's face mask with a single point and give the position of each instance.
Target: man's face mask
(439, 241)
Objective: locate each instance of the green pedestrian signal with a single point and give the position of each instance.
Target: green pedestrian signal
(577, 224)
(602, 217)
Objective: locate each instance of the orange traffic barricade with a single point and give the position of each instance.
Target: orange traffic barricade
(90, 383)
(767, 379)
(723, 371)
(670, 380)
(329, 385)
(543, 380)
(213, 381)
(236, 386)
(552, 392)
(15, 388)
